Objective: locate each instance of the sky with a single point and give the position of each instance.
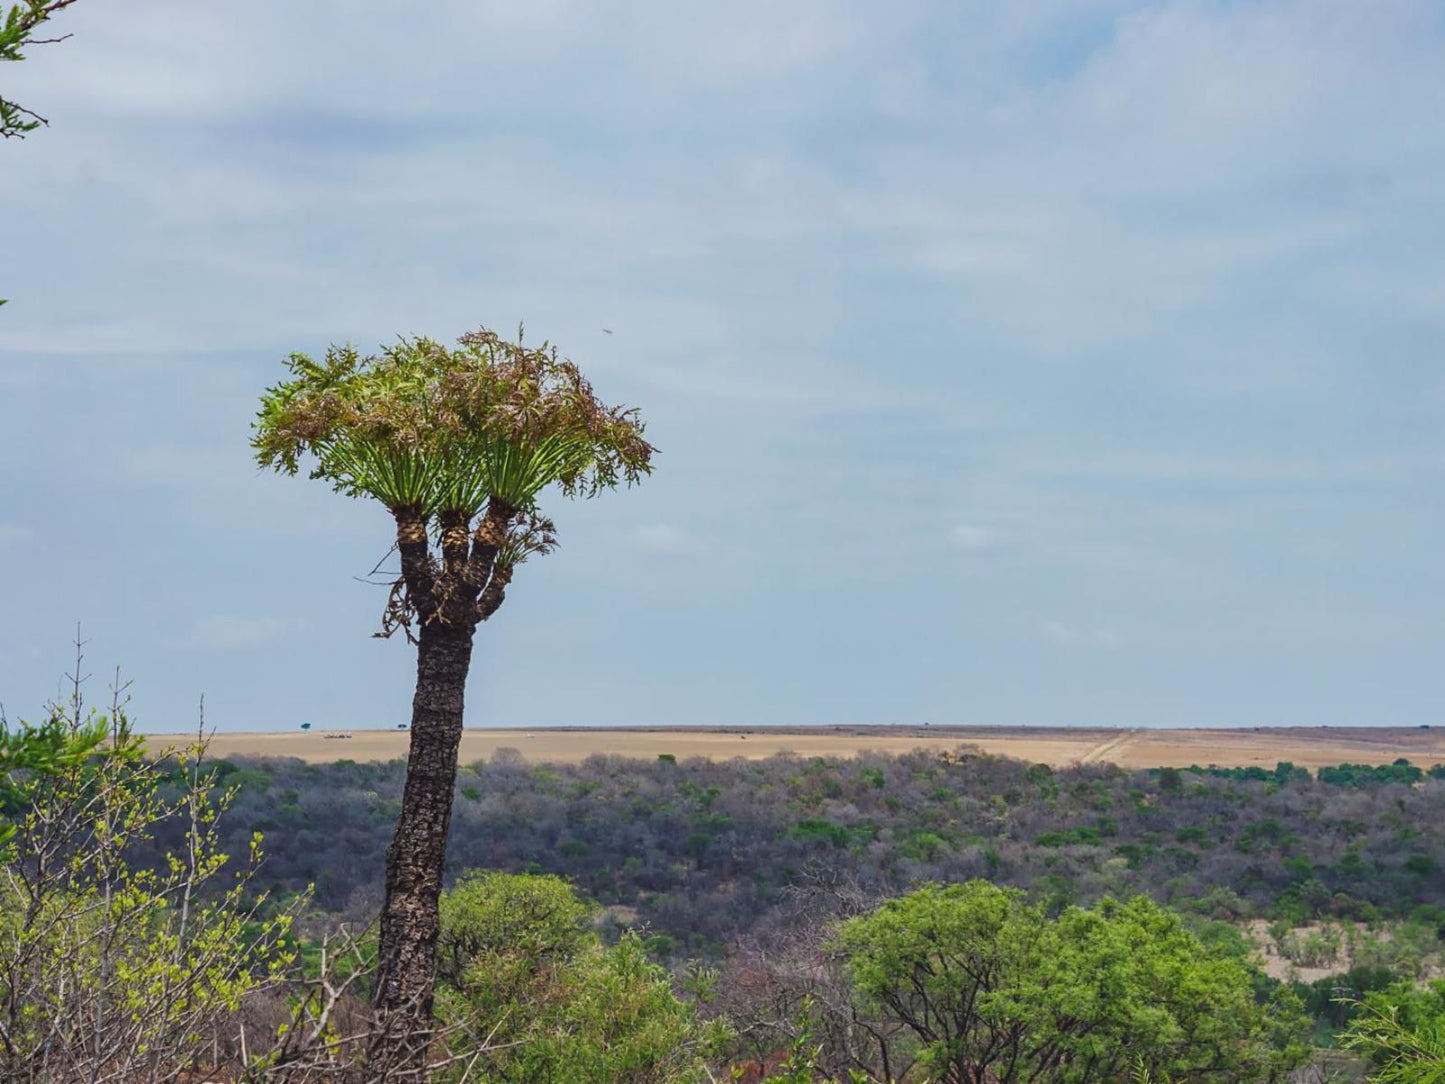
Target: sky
(1064, 362)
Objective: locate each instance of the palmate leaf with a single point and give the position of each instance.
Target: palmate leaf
(529, 534)
(516, 472)
(396, 477)
(459, 483)
(450, 481)
(435, 430)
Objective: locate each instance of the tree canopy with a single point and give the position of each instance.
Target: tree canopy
(438, 430)
(992, 989)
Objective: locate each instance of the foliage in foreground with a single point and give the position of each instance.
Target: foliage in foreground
(17, 32)
(1401, 1031)
(122, 969)
(520, 959)
(990, 988)
(111, 971)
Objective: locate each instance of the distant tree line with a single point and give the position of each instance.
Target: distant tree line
(1343, 775)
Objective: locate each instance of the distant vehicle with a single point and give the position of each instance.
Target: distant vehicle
(335, 736)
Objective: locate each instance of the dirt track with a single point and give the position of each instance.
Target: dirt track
(1058, 746)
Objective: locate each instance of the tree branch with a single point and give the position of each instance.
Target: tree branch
(15, 31)
(418, 567)
(496, 592)
(454, 528)
(487, 541)
(41, 12)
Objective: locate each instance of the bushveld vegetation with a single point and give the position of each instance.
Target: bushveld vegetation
(127, 958)
(135, 949)
(929, 917)
(706, 851)
(739, 908)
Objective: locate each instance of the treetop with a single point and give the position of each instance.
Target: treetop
(440, 429)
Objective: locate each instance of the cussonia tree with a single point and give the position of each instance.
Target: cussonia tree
(457, 443)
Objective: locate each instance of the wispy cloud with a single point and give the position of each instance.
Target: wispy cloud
(972, 536)
(1224, 468)
(1094, 636)
(227, 632)
(662, 538)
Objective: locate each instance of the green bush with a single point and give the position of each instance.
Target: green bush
(1080, 998)
(527, 986)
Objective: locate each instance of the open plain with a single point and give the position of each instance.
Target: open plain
(1310, 747)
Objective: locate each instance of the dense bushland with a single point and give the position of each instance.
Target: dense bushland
(703, 852)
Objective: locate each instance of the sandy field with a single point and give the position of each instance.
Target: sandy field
(1309, 747)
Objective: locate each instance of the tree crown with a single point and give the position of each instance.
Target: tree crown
(441, 430)
(1079, 997)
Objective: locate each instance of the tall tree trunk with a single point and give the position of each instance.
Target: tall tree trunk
(415, 860)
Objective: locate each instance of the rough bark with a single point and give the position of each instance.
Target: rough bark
(487, 540)
(446, 600)
(496, 592)
(417, 855)
(454, 531)
(418, 568)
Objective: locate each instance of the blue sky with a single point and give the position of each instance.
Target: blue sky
(1018, 363)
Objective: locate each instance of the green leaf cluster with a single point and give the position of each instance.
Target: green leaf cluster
(35, 756)
(525, 980)
(1401, 1032)
(991, 988)
(441, 430)
(110, 968)
(17, 31)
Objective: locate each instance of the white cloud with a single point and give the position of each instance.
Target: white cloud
(971, 536)
(225, 632)
(662, 538)
(223, 486)
(1097, 636)
(1223, 467)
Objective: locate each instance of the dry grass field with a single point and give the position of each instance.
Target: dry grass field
(1060, 746)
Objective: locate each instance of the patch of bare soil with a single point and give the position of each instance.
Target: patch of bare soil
(1058, 746)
